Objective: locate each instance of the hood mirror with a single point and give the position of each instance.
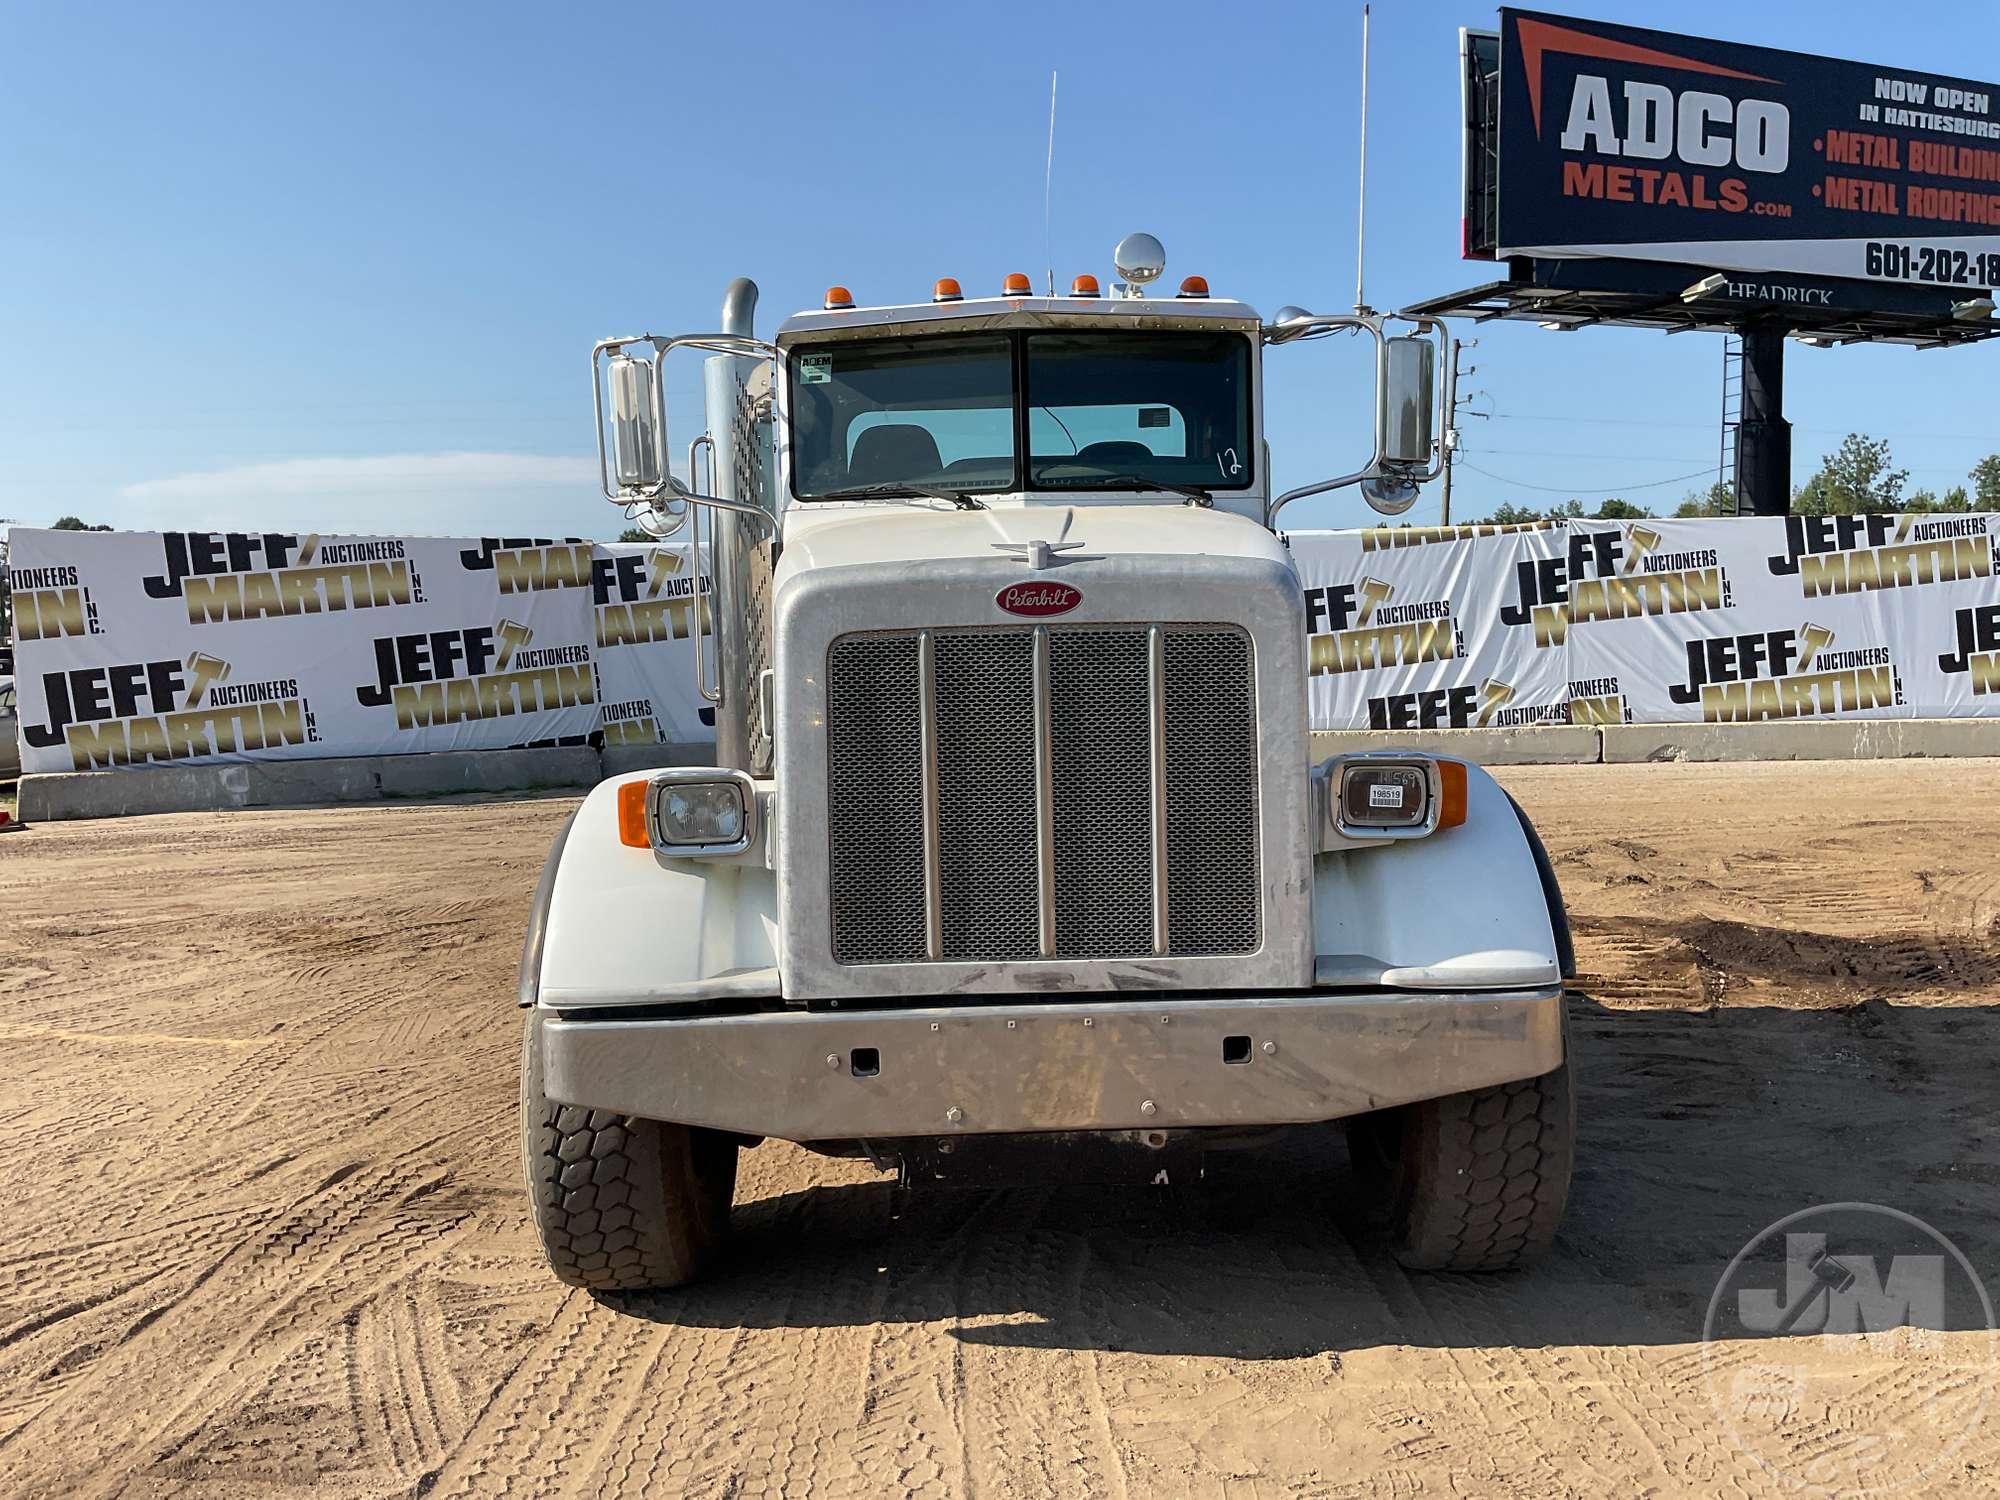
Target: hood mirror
(1390, 493)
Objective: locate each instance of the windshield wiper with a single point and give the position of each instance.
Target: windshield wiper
(1132, 483)
(903, 489)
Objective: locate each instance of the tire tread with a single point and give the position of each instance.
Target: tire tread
(1484, 1175)
(620, 1203)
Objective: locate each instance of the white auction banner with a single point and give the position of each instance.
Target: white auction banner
(1407, 627)
(137, 648)
(643, 623)
(1745, 620)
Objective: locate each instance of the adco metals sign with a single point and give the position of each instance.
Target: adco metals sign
(1647, 145)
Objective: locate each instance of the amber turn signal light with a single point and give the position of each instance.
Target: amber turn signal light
(1451, 806)
(632, 829)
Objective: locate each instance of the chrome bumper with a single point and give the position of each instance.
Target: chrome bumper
(1112, 1065)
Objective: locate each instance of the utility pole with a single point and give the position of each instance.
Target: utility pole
(1459, 403)
(1444, 496)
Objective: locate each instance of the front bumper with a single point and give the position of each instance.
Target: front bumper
(1169, 1063)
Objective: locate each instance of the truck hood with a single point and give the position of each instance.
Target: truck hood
(847, 536)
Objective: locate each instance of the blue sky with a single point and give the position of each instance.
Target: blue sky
(341, 266)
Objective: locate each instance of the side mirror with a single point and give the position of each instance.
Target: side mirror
(1409, 409)
(1409, 399)
(638, 429)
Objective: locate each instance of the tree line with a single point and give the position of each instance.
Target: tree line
(1859, 477)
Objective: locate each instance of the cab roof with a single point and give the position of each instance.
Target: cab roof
(982, 314)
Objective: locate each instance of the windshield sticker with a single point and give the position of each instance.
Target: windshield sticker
(1155, 416)
(815, 369)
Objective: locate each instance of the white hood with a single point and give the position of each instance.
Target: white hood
(839, 536)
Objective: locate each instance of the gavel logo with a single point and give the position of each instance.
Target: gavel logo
(1813, 639)
(203, 672)
(661, 565)
(1642, 539)
(513, 635)
(1373, 592)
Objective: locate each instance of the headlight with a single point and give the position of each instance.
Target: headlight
(1384, 796)
(702, 813)
(689, 812)
(1374, 799)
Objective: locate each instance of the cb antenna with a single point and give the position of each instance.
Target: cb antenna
(1361, 212)
(1048, 184)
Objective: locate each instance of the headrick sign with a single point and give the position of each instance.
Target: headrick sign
(1646, 145)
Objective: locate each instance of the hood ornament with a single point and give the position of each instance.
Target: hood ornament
(1037, 555)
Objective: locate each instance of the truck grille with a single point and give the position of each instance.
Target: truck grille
(1057, 792)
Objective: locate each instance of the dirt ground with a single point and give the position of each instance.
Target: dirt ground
(264, 1232)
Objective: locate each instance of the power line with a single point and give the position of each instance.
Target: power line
(1892, 437)
(1567, 489)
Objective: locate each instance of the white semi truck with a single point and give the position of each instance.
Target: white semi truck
(1014, 843)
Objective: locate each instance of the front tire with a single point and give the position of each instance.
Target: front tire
(621, 1204)
(1474, 1181)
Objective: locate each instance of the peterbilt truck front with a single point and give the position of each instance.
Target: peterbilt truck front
(1014, 843)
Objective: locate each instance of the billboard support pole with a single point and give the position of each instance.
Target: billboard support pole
(1763, 436)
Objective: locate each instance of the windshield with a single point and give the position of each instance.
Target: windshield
(936, 411)
(1138, 406)
(1114, 409)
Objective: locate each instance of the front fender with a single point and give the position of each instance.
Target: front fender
(1465, 908)
(623, 926)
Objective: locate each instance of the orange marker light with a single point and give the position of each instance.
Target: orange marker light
(632, 829)
(1451, 811)
(839, 297)
(1084, 286)
(1195, 286)
(1017, 285)
(947, 290)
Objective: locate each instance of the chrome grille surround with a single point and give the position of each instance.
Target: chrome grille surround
(1071, 741)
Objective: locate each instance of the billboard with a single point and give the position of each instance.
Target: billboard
(1626, 143)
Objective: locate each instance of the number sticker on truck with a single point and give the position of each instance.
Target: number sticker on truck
(815, 369)
(1385, 794)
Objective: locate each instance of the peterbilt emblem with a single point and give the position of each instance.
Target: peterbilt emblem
(1038, 600)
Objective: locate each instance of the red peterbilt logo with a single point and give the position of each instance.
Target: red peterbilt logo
(1038, 599)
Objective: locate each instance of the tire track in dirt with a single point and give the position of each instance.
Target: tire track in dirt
(300, 1266)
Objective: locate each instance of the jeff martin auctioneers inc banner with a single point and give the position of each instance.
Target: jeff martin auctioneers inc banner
(144, 648)
(1735, 620)
(136, 648)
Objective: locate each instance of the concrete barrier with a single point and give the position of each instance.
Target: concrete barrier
(1801, 739)
(50, 796)
(316, 783)
(117, 794)
(301, 783)
(1527, 745)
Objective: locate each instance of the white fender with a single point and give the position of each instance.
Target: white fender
(626, 927)
(1462, 909)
